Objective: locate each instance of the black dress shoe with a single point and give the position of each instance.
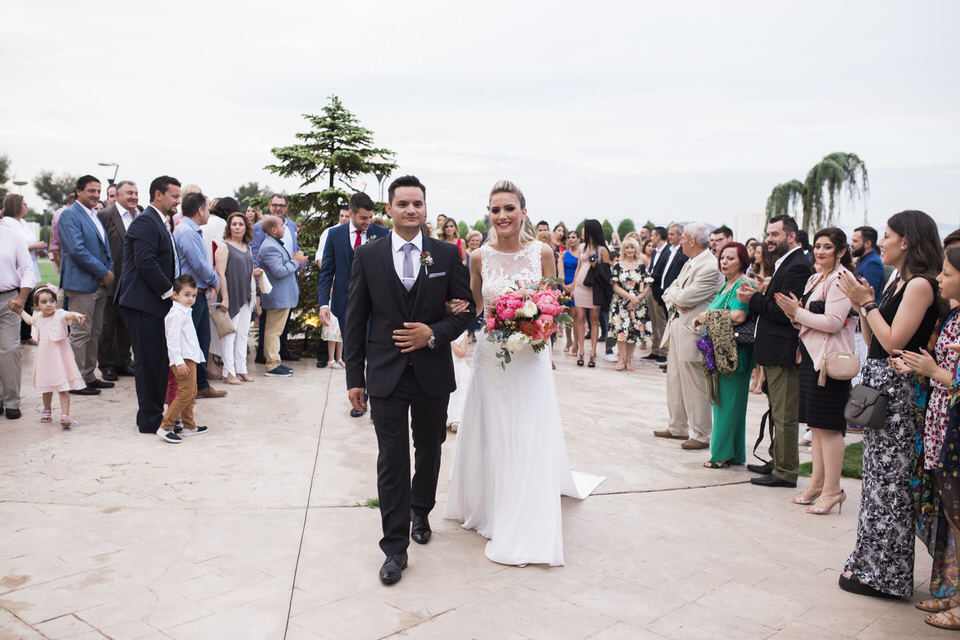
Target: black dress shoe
(89, 391)
(772, 481)
(763, 469)
(356, 413)
(289, 357)
(649, 356)
(13, 414)
(125, 370)
(321, 364)
(260, 359)
(392, 569)
(421, 529)
(109, 374)
(100, 384)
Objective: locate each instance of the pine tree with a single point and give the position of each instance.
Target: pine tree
(625, 227)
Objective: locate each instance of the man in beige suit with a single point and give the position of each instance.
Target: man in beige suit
(691, 416)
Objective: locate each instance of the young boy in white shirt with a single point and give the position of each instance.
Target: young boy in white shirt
(183, 351)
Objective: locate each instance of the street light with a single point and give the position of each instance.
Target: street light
(116, 168)
(20, 184)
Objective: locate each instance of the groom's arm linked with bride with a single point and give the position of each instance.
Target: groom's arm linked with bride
(403, 337)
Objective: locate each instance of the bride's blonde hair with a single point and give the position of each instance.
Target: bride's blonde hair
(527, 232)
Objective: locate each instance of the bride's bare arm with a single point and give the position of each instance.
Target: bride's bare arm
(476, 280)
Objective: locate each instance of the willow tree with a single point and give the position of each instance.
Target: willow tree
(817, 197)
(836, 173)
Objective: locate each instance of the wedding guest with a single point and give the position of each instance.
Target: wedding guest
(751, 245)
(560, 237)
(776, 349)
(474, 240)
(86, 271)
(253, 215)
(718, 238)
(113, 352)
(760, 272)
(441, 221)
(628, 310)
(281, 268)
(593, 253)
(935, 487)
(54, 368)
(695, 286)
(237, 278)
(728, 440)
(646, 253)
(567, 268)
(449, 234)
(323, 349)
(16, 283)
(14, 209)
(192, 253)
(673, 261)
(822, 315)
(615, 242)
(881, 563)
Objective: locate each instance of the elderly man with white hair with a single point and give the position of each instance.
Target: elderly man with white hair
(691, 416)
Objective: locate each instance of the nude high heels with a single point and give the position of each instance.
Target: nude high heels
(824, 504)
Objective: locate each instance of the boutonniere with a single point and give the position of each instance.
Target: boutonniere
(371, 237)
(426, 259)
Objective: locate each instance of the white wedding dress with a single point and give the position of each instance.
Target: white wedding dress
(511, 464)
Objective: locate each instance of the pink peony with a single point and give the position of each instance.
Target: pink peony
(507, 306)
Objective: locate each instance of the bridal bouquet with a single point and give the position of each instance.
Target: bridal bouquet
(526, 315)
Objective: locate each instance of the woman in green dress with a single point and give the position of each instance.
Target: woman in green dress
(728, 441)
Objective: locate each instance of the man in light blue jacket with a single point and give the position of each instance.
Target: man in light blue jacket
(86, 270)
(281, 269)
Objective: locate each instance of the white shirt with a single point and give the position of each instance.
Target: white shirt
(182, 341)
(673, 254)
(398, 244)
(173, 245)
(16, 270)
(23, 228)
(776, 265)
(353, 236)
(125, 217)
(96, 221)
(322, 245)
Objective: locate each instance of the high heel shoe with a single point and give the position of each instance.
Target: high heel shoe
(821, 507)
(807, 497)
(593, 361)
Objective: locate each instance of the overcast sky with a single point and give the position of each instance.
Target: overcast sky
(662, 111)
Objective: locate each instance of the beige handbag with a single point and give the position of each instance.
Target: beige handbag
(222, 322)
(839, 365)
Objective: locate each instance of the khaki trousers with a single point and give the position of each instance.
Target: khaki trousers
(658, 322)
(182, 405)
(85, 338)
(691, 413)
(276, 319)
(10, 367)
(783, 385)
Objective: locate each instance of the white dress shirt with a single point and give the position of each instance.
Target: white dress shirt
(16, 268)
(125, 217)
(776, 265)
(22, 227)
(398, 243)
(95, 219)
(182, 341)
(673, 254)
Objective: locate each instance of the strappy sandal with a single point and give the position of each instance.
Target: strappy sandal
(66, 421)
(806, 498)
(593, 361)
(580, 361)
(46, 416)
(717, 465)
(949, 619)
(822, 508)
(936, 605)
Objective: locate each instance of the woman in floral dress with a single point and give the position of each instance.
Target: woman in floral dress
(628, 310)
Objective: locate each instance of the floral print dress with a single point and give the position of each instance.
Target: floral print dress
(629, 325)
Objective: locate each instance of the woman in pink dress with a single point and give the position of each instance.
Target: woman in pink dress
(55, 369)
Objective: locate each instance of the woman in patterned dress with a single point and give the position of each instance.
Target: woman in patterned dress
(628, 311)
(881, 564)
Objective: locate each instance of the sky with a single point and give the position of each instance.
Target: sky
(659, 111)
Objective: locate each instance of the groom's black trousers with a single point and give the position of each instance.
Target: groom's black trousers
(396, 492)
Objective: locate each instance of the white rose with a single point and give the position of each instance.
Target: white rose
(529, 309)
(515, 342)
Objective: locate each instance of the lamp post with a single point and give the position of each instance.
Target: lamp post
(116, 168)
(20, 184)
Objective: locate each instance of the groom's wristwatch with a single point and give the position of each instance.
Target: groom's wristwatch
(432, 342)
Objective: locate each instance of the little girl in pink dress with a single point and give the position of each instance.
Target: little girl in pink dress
(55, 369)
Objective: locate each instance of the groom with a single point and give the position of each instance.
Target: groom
(399, 286)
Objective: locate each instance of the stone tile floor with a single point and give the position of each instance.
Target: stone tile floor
(256, 531)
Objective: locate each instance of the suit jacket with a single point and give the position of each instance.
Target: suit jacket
(85, 256)
(259, 236)
(337, 262)
(674, 269)
(281, 270)
(377, 298)
(777, 338)
(113, 225)
(656, 272)
(694, 289)
(148, 265)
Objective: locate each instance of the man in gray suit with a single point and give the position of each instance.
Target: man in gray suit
(281, 269)
(113, 355)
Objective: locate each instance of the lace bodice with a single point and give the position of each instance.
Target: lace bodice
(503, 270)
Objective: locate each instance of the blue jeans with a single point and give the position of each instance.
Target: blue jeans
(201, 320)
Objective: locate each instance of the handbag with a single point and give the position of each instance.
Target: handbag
(222, 322)
(265, 285)
(839, 365)
(866, 407)
(746, 333)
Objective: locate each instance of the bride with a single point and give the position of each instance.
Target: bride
(511, 465)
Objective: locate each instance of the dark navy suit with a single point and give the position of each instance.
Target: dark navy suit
(337, 264)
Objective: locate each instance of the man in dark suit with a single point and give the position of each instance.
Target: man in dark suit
(114, 350)
(776, 349)
(342, 241)
(143, 295)
(399, 286)
(675, 261)
(658, 318)
(85, 273)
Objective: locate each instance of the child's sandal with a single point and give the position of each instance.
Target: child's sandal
(46, 416)
(66, 421)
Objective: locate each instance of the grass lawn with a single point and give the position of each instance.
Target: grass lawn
(852, 462)
(48, 273)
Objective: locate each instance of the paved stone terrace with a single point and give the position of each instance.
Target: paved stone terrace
(255, 531)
